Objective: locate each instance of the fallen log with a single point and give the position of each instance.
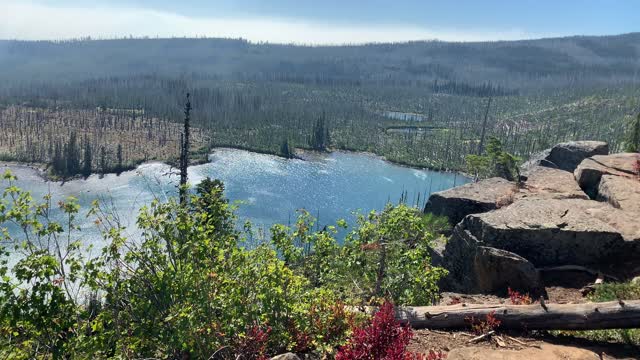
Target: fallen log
(589, 316)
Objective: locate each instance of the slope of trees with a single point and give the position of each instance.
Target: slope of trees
(511, 65)
(253, 96)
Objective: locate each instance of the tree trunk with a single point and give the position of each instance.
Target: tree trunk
(590, 316)
(184, 152)
(484, 128)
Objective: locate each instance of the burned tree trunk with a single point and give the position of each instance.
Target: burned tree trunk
(184, 152)
(590, 316)
(484, 128)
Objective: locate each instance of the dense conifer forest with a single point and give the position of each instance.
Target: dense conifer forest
(418, 103)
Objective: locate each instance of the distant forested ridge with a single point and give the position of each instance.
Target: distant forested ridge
(521, 65)
(259, 96)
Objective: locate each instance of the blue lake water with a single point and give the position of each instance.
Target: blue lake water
(398, 115)
(331, 186)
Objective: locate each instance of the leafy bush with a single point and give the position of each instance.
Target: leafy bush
(39, 308)
(189, 287)
(384, 338)
(386, 256)
(254, 344)
(484, 326)
(517, 298)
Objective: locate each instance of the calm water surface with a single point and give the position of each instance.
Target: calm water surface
(270, 189)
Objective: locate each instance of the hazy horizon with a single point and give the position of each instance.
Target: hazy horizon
(329, 23)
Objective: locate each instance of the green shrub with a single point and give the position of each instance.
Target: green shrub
(496, 162)
(189, 286)
(386, 256)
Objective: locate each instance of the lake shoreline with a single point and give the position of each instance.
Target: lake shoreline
(300, 154)
(331, 186)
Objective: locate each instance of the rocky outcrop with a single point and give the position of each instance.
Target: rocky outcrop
(548, 183)
(624, 222)
(547, 221)
(590, 171)
(567, 156)
(497, 270)
(621, 192)
(548, 232)
(471, 198)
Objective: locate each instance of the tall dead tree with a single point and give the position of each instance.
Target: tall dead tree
(184, 152)
(484, 128)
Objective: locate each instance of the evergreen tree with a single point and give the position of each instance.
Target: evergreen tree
(496, 162)
(319, 135)
(59, 165)
(285, 149)
(86, 168)
(72, 156)
(119, 166)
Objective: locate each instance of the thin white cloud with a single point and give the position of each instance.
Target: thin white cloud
(23, 19)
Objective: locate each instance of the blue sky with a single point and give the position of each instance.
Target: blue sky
(319, 21)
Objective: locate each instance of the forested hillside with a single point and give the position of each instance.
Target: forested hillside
(419, 103)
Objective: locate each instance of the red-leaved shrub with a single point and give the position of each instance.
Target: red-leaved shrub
(383, 339)
(254, 345)
(481, 327)
(519, 299)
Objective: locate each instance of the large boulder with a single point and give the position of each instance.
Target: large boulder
(547, 232)
(623, 162)
(621, 192)
(497, 270)
(624, 222)
(590, 171)
(567, 156)
(548, 183)
(472, 198)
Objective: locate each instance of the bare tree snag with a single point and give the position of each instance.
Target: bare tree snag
(184, 152)
(484, 128)
(590, 316)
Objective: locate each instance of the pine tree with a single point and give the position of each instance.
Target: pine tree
(59, 165)
(72, 156)
(86, 168)
(285, 149)
(319, 135)
(119, 166)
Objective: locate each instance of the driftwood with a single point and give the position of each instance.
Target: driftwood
(589, 316)
(483, 336)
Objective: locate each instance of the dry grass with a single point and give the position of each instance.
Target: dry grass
(508, 198)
